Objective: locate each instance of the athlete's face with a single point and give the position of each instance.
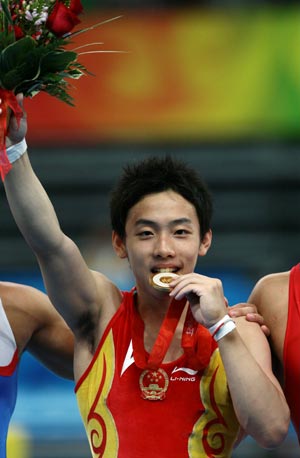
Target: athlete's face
(162, 232)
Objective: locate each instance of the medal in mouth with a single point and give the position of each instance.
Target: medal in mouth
(162, 280)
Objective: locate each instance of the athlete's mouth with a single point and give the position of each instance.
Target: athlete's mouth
(159, 270)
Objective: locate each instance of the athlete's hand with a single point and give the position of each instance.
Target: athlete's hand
(204, 294)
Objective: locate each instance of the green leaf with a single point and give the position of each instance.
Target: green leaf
(56, 61)
(75, 74)
(16, 53)
(60, 93)
(6, 12)
(6, 38)
(19, 62)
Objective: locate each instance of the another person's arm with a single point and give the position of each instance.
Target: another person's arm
(38, 327)
(248, 310)
(271, 296)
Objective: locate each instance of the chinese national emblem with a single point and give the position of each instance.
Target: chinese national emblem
(154, 384)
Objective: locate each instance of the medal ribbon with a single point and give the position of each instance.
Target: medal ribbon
(198, 358)
(163, 339)
(9, 101)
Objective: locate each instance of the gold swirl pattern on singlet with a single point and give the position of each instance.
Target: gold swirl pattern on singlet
(100, 426)
(216, 430)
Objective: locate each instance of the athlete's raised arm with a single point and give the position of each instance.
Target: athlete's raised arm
(70, 284)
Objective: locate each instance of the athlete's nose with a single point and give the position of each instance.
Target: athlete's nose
(164, 247)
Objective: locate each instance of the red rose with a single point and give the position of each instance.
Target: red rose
(63, 19)
(76, 7)
(17, 31)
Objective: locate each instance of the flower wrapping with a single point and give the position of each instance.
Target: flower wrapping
(9, 103)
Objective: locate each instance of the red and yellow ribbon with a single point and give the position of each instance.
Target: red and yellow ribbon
(9, 102)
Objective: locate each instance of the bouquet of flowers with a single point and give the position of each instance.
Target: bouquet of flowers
(33, 58)
(33, 34)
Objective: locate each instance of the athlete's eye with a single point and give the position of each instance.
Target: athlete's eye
(145, 234)
(182, 232)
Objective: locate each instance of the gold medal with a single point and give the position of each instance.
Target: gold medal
(154, 384)
(161, 280)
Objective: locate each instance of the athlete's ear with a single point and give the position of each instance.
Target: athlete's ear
(205, 243)
(118, 245)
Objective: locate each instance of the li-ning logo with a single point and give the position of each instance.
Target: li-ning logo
(184, 369)
(190, 372)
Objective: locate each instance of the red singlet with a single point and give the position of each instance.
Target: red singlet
(195, 419)
(291, 359)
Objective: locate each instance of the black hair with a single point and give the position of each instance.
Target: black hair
(154, 175)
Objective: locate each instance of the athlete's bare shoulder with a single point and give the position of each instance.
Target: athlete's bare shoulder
(19, 297)
(25, 298)
(108, 290)
(28, 311)
(270, 293)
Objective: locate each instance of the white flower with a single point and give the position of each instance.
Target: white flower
(42, 19)
(28, 15)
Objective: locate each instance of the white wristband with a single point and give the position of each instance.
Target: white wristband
(14, 152)
(222, 328)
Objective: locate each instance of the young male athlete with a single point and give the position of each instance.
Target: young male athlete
(161, 370)
(28, 321)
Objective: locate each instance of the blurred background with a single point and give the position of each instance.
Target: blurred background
(216, 83)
